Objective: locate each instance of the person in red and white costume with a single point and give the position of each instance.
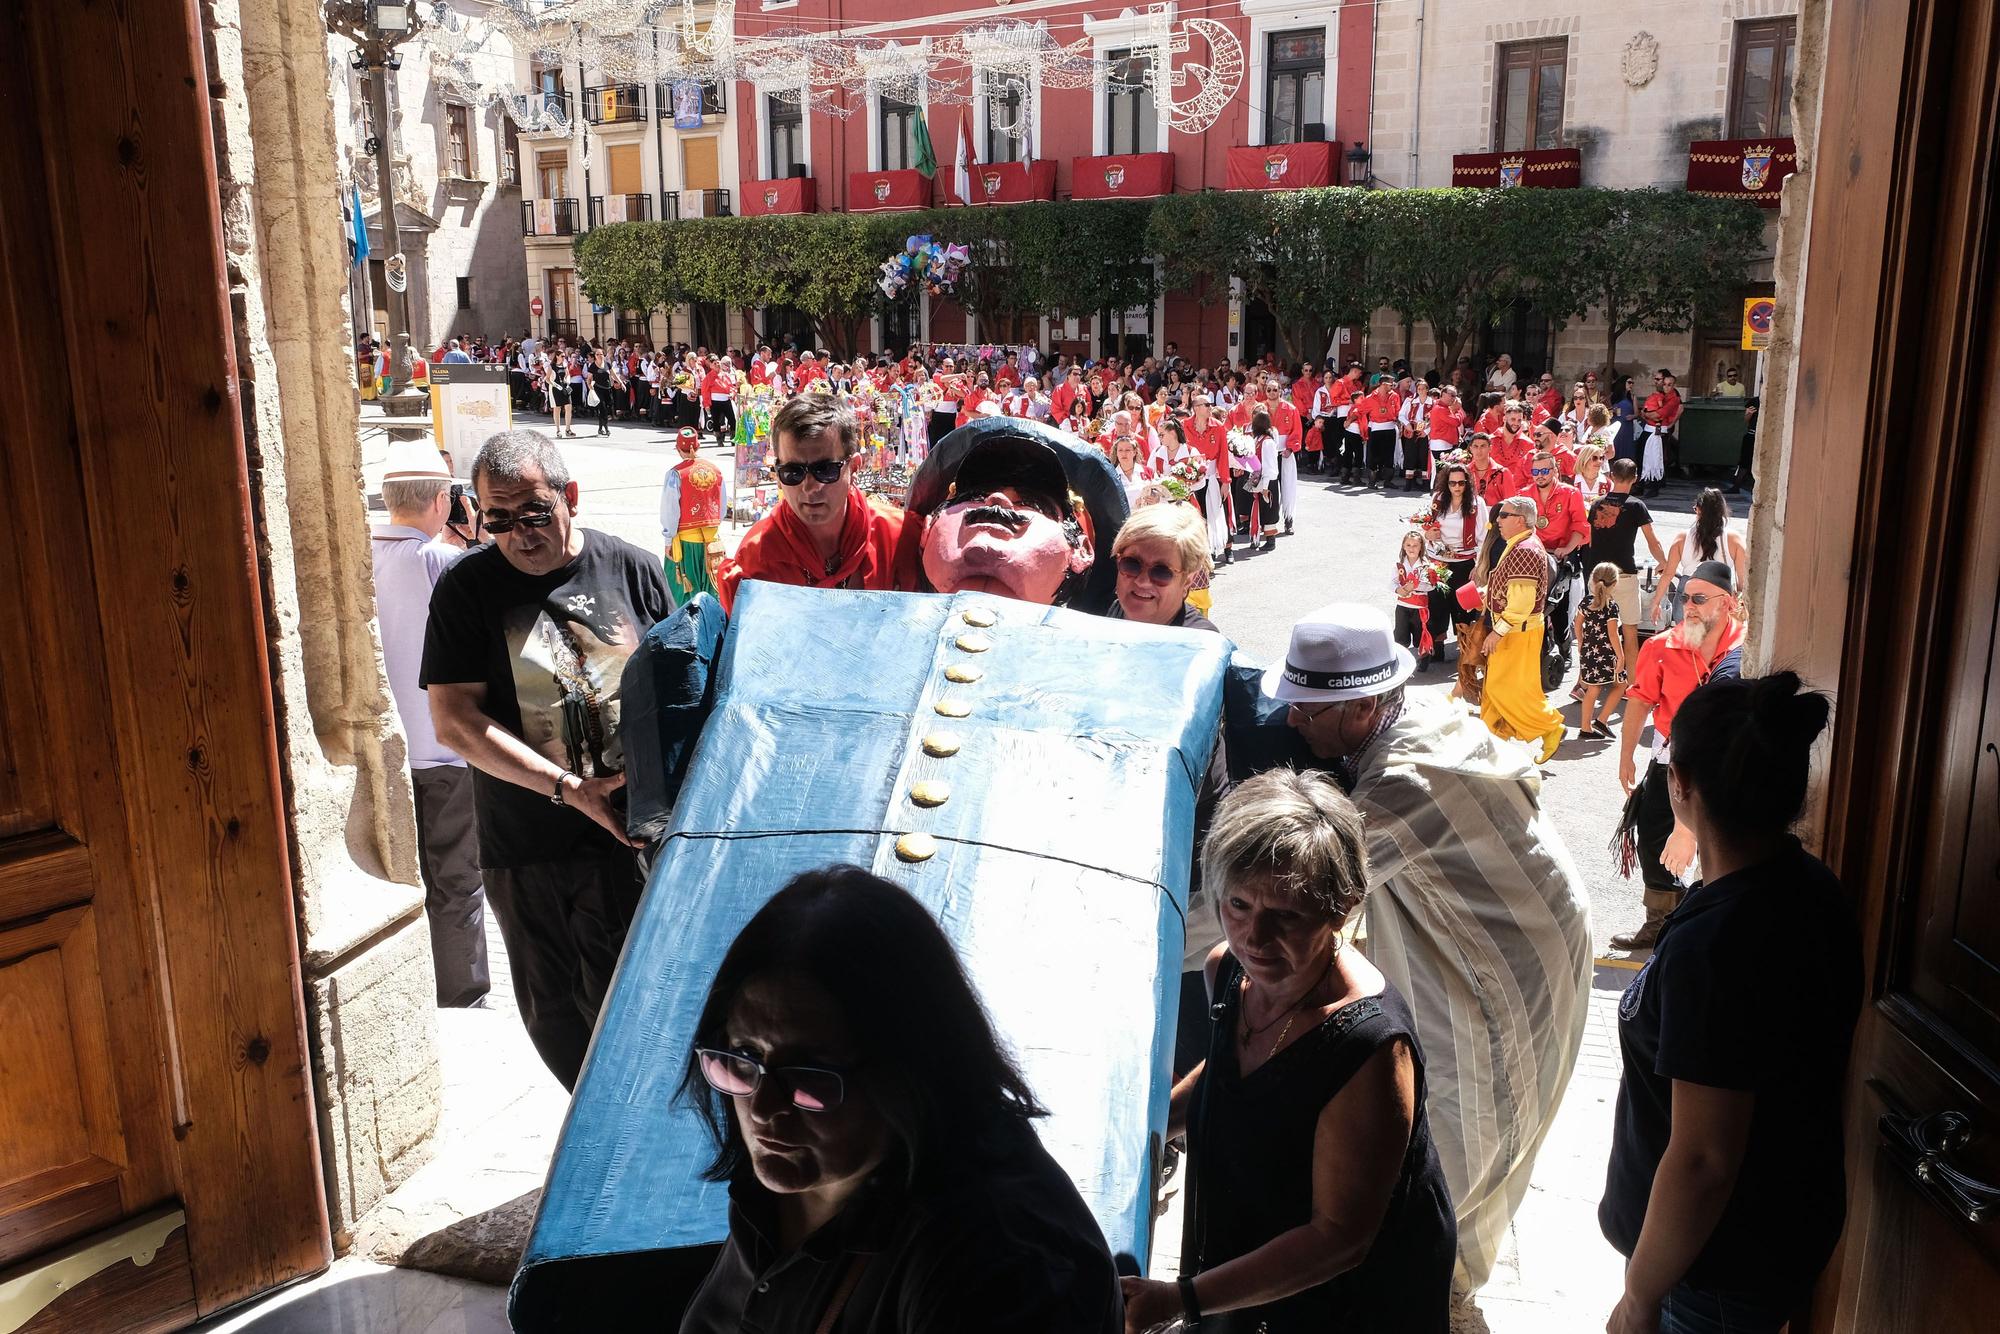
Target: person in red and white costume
(1547, 401)
(1492, 410)
(1346, 441)
(1209, 438)
(1492, 482)
(761, 366)
(1071, 389)
(718, 391)
(1374, 414)
(810, 370)
(1305, 396)
(1562, 524)
(1659, 419)
(1287, 421)
(1413, 433)
(976, 397)
(1514, 443)
(1444, 424)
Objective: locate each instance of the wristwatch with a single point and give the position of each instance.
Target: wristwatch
(557, 795)
(1190, 1308)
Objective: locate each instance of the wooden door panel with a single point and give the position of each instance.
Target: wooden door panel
(42, 872)
(63, 1154)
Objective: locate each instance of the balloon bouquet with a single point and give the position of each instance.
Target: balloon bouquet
(932, 264)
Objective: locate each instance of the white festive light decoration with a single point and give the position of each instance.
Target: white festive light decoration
(666, 41)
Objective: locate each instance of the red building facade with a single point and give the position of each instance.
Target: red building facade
(1306, 70)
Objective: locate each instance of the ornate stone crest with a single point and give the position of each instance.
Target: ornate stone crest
(1640, 60)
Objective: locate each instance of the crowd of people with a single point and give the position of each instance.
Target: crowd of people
(1353, 1160)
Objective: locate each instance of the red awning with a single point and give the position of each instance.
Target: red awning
(1747, 169)
(880, 191)
(1544, 168)
(1123, 176)
(1013, 182)
(793, 194)
(1282, 166)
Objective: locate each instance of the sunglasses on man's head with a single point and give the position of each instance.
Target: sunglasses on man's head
(735, 1075)
(1132, 567)
(539, 516)
(824, 471)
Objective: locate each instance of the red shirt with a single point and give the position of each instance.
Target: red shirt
(1513, 451)
(1446, 422)
(1340, 394)
(1489, 421)
(1006, 376)
(1664, 408)
(1668, 670)
(1212, 444)
(1285, 421)
(809, 371)
(1066, 394)
(1303, 390)
(1560, 515)
(1374, 409)
(1495, 486)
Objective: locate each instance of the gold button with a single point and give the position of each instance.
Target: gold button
(978, 616)
(973, 643)
(953, 708)
(930, 792)
(941, 745)
(962, 675)
(916, 847)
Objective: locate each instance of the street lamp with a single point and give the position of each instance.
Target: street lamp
(1357, 164)
(377, 28)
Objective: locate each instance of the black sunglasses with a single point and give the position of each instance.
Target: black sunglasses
(735, 1075)
(540, 516)
(824, 471)
(1132, 567)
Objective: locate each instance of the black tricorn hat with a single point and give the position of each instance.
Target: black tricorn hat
(1027, 454)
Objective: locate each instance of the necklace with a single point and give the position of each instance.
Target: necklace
(1289, 1014)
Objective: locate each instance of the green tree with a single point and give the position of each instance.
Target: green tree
(1449, 258)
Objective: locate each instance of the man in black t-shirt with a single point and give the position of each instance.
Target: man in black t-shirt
(1617, 521)
(523, 659)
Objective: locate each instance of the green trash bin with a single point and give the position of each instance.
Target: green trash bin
(1712, 433)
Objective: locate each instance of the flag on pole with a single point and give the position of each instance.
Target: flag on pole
(967, 159)
(926, 157)
(360, 237)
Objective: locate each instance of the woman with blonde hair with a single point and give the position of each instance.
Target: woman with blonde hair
(1163, 568)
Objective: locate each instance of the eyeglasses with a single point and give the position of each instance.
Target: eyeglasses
(540, 516)
(1132, 567)
(1454, 481)
(1541, 472)
(1310, 714)
(824, 471)
(735, 1075)
(1703, 599)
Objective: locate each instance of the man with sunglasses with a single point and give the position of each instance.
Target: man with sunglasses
(1707, 645)
(823, 533)
(1562, 527)
(1473, 911)
(524, 658)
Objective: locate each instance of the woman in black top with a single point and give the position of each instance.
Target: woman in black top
(1315, 1200)
(599, 376)
(1726, 1187)
(884, 1173)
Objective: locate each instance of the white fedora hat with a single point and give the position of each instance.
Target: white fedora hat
(411, 459)
(1342, 651)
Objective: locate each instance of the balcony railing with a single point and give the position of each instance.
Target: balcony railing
(714, 99)
(548, 217)
(545, 113)
(670, 206)
(614, 103)
(559, 328)
(620, 208)
(704, 204)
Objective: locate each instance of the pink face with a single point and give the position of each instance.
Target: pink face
(1025, 556)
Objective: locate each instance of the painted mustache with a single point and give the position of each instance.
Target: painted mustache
(1000, 514)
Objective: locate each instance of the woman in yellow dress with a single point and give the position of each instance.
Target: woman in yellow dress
(1516, 592)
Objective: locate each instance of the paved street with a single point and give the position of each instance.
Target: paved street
(1557, 1274)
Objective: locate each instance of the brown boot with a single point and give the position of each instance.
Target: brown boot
(1643, 939)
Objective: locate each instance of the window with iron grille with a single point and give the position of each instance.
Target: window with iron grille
(785, 124)
(1760, 78)
(1131, 117)
(1294, 84)
(1528, 95)
(465, 294)
(458, 140)
(896, 128)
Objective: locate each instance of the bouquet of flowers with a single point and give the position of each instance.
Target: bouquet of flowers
(1188, 475)
(1425, 518)
(1243, 456)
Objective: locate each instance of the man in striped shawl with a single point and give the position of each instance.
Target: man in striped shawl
(1474, 910)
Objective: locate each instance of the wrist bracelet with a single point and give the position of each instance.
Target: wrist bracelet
(1190, 1307)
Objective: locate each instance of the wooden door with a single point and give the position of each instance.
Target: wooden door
(155, 1097)
(1900, 341)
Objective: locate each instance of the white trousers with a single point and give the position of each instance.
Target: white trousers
(1288, 484)
(1216, 502)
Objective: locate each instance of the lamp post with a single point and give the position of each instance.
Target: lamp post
(377, 28)
(1357, 164)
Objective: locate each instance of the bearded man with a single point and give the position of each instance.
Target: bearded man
(1707, 645)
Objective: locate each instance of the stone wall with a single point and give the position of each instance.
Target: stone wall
(370, 997)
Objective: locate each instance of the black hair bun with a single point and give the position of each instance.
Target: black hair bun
(1787, 714)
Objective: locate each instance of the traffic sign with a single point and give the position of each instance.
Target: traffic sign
(535, 306)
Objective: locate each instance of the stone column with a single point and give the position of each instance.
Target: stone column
(370, 997)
